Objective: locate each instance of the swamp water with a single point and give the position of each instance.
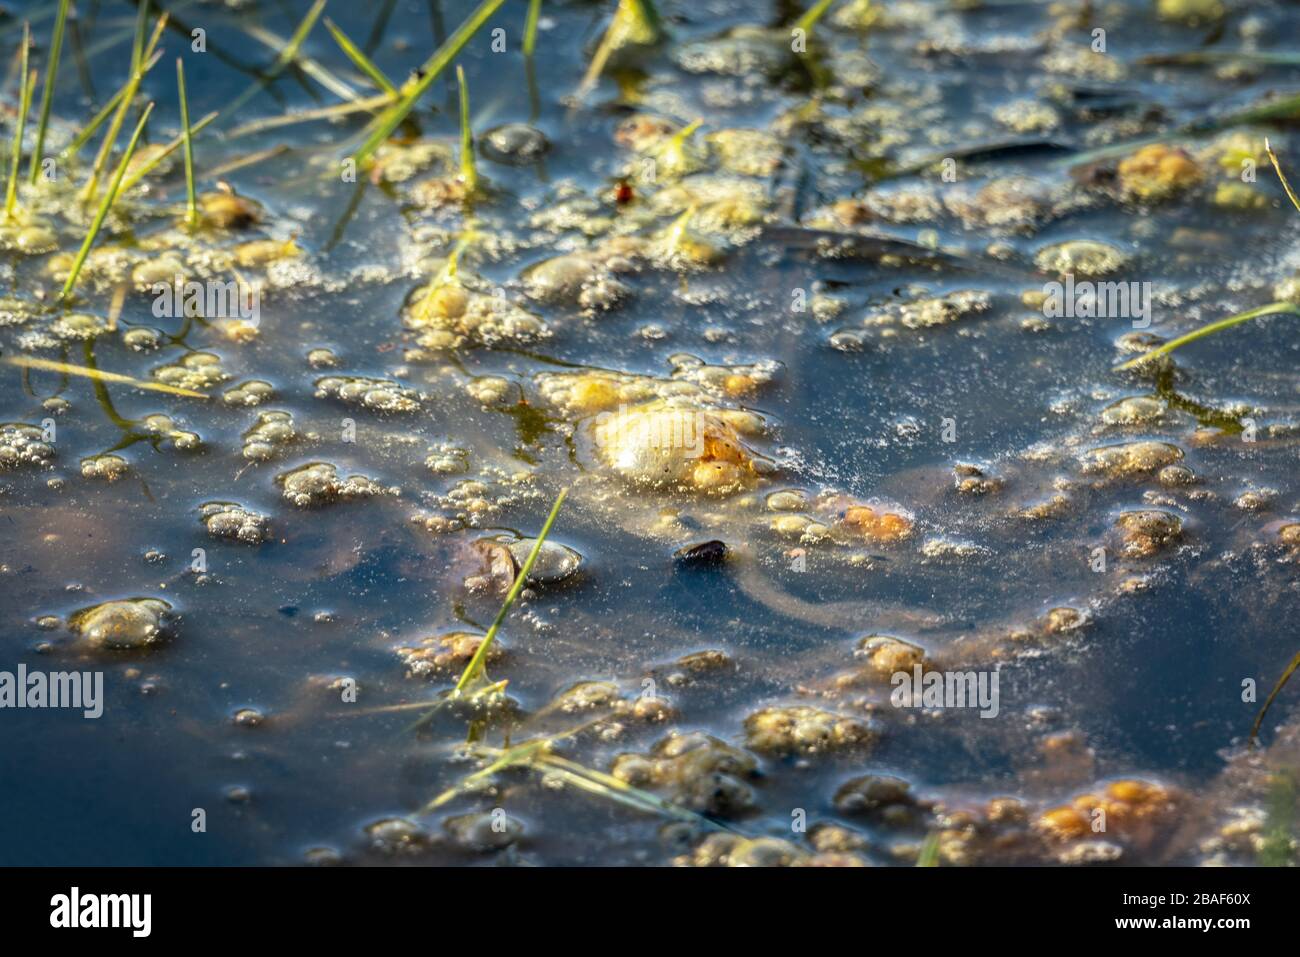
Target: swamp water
(811, 329)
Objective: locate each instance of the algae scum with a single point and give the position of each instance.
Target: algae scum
(767, 288)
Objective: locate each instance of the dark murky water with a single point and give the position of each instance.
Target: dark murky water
(1128, 673)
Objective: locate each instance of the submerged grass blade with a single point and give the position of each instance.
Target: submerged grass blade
(47, 91)
(68, 368)
(104, 206)
(468, 168)
(1273, 308)
(191, 204)
(1285, 108)
(608, 786)
(391, 118)
(28, 81)
(511, 757)
(265, 123)
(530, 26)
(474, 670)
(1268, 702)
(359, 59)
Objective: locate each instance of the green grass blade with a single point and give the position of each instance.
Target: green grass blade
(468, 167)
(530, 26)
(191, 204)
(137, 40)
(147, 59)
(391, 118)
(1268, 702)
(648, 22)
(98, 119)
(359, 59)
(47, 92)
(815, 13)
(1272, 309)
(146, 168)
(929, 856)
(474, 669)
(287, 55)
(606, 785)
(27, 80)
(105, 205)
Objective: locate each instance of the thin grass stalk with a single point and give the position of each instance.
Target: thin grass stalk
(47, 92)
(105, 111)
(1277, 168)
(468, 167)
(261, 125)
(475, 666)
(1272, 309)
(286, 56)
(105, 205)
(137, 38)
(1268, 702)
(123, 106)
(391, 118)
(815, 13)
(67, 368)
(172, 146)
(191, 204)
(28, 81)
(359, 59)
(530, 26)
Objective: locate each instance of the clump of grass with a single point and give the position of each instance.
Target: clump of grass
(1272, 309)
(27, 82)
(392, 117)
(47, 91)
(191, 203)
(104, 206)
